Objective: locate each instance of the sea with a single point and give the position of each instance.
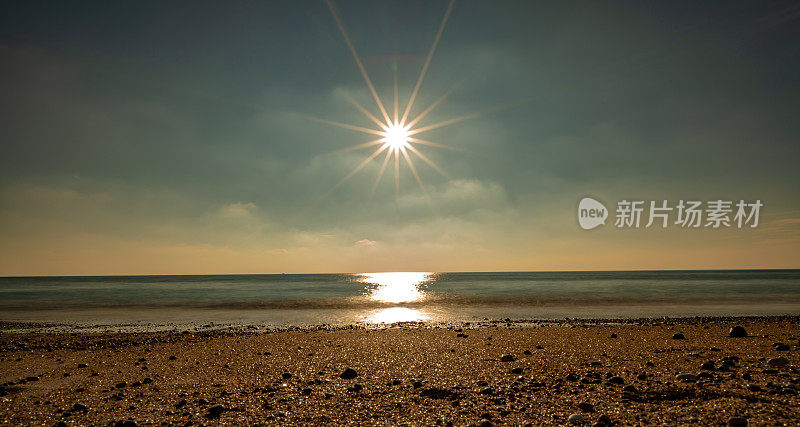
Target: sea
(173, 302)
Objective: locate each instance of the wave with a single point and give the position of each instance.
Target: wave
(430, 300)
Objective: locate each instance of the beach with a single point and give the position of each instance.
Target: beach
(657, 371)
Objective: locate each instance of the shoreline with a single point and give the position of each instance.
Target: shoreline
(503, 372)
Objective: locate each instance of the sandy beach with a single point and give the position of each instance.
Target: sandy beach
(596, 372)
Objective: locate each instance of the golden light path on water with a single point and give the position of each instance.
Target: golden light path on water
(395, 288)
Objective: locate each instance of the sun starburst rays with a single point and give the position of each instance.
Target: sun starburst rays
(398, 128)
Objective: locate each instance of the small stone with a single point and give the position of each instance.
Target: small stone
(121, 384)
(685, 376)
(782, 347)
(147, 381)
(778, 362)
(286, 375)
(576, 419)
(306, 391)
(572, 377)
(708, 365)
(348, 374)
(630, 389)
(82, 365)
(125, 423)
(616, 380)
(753, 387)
(516, 371)
(80, 407)
(507, 358)
(737, 332)
(173, 358)
(678, 336)
(417, 384)
(612, 336)
(527, 352)
(604, 420)
(585, 407)
(737, 422)
(215, 410)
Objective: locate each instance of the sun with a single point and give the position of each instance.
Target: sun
(395, 136)
(398, 140)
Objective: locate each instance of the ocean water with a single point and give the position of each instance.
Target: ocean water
(165, 302)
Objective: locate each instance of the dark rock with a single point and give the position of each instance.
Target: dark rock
(708, 365)
(215, 410)
(613, 336)
(82, 365)
(603, 420)
(585, 407)
(737, 332)
(516, 371)
(630, 389)
(678, 336)
(782, 347)
(616, 380)
(121, 384)
(306, 391)
(286, 375)
(126, 423)
(80, 407)
(754, 387)
(737, 422)
(173, 358)
(576, 419)
(348, 374)
(507, 358)
(778, 362)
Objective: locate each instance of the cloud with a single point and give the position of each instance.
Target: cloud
(365, 243)
(238, 210)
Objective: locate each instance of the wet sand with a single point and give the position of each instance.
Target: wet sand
(619, 373)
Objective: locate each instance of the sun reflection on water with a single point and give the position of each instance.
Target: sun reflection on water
(395, 287)
(397, 314)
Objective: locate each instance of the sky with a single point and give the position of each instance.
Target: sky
(180, 137)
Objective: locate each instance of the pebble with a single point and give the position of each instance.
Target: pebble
(576, 419)
(678, 336)
(286, 375)
(782, 347)
(80, 407)
(216, 410)
(604, 420)
(737, 332)
(125, 423)
(616, 380)
(737, 422)
(707, 365)
(685, 376)
(630, 389)
(507, 358)
(778, 362)
(348, 374)
(82, 365)
(585, 407)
